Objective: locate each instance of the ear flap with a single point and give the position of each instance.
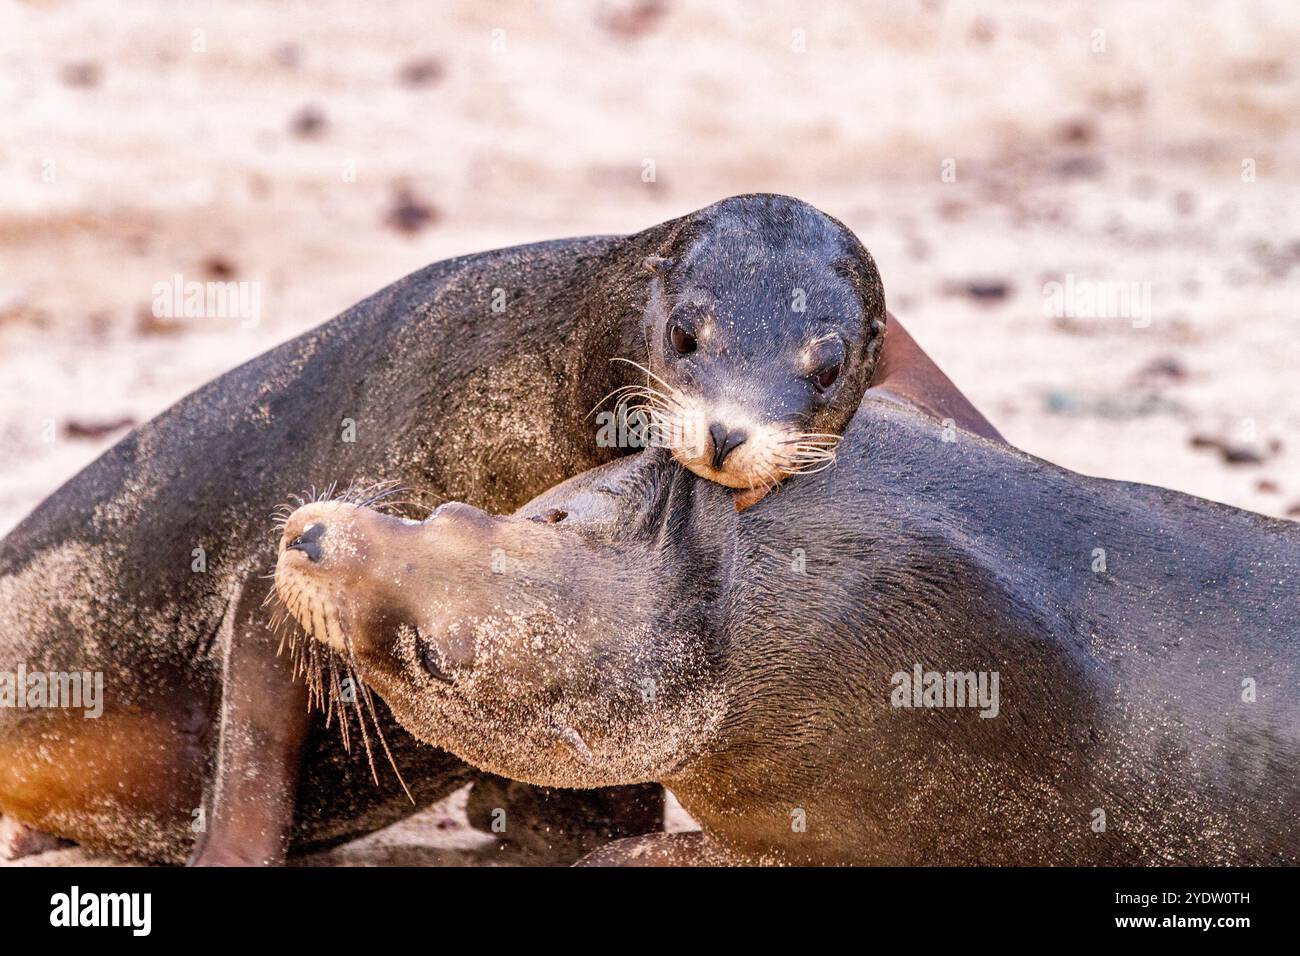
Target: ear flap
(657, 265)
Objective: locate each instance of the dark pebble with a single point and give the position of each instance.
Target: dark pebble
(410, 214)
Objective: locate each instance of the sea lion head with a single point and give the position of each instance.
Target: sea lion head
(764, 321)
(570, 644)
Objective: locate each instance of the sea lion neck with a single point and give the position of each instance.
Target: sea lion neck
(650, 509)
(692, 535)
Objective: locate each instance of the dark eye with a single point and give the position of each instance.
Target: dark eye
(827, 376)
(682, 340)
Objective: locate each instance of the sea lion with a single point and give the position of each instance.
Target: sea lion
(936, 652)
(750, 382)
(470, 379)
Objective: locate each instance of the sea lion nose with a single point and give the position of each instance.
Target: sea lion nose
(309, 541)
(725, 442)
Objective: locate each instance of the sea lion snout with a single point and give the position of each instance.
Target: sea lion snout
(306, 530)
(308, 542)
(350, 575)
(332, 566)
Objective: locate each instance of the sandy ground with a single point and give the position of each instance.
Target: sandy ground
(982, 152)
(437, 836)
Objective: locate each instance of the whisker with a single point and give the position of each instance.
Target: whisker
(619, 390)
(667, 403)
(807, 456)
(813, 471)
(656, 427)
(361, 722)
(336, 701)
(379, 733)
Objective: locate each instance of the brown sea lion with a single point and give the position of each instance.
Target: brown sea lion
(471, 379)
(937, 652)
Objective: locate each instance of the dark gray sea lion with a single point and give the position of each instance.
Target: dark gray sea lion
(937, 652)
(749, 381)
(471, 379)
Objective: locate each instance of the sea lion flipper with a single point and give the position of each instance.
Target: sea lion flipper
(907, 374)
(263, 722)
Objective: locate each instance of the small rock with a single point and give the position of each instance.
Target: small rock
(74, 428)
(1267, 486)
(1234, 453)
(309, 122)
(422, 71)
(1060, 402)
(1164, 369)
(1080, 167)
(99, 323)
(83, 74)
(984, 290)
(983, 31)
(218, 267)
(1077, 132)
(1276, 261)
(1241, 455)
(408, 213)
(148, 324)
(634, 19)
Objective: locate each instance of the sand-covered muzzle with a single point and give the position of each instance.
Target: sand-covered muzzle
(524, 647)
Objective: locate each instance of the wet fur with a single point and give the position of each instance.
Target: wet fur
(449, 399)
(1120, 689)
(732, 277)
(405, 365)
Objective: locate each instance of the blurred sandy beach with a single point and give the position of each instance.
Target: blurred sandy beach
(989, 156)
